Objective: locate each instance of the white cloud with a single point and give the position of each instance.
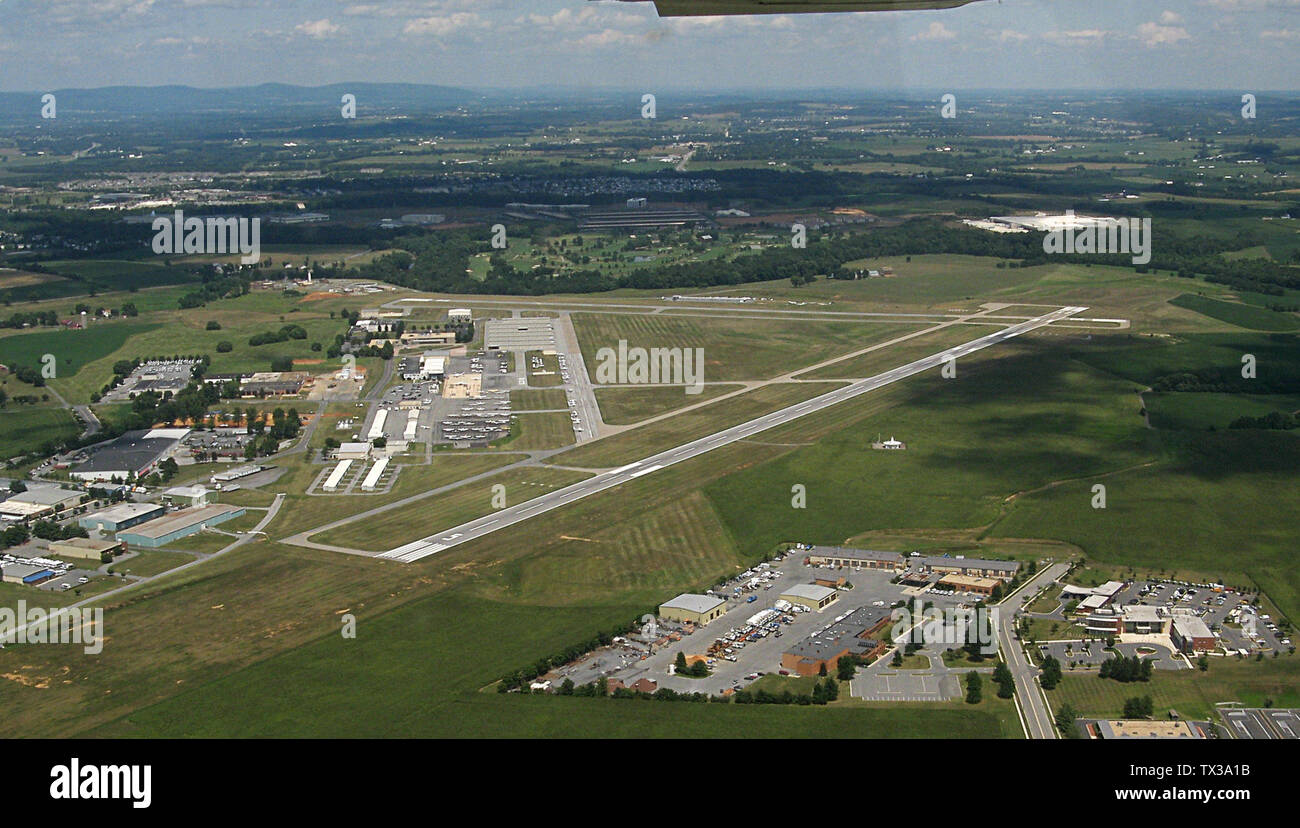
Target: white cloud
(1169, 18)
(1153, 34)
(441, 26)
(318, 28)
(935, 31)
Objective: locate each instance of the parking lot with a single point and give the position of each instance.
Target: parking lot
(631, 660)
(1090, 654)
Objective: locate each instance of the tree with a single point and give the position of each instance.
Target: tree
(1051, 673)
(1005, 681)
(821, 671)
(225, 347)
(1065, 722)
(1139, 707)
(213, 325)
(974, 688)
(846, 667)
(679, 666)
(897, 660)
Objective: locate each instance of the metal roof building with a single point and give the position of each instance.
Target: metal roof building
(693, 609)
(177, 525)
(121, 516)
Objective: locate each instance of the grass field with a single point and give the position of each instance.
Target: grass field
(151, 562)
(1191, 692)
(548, 375)
(623, 406)
(689, 425)
(424, 517)
(1200, 411)
(733, 348)
(539, 430)
(301, 511)
(1243, 316)
(539, 400)
(875, 362)
(24, 429)
(72, 349)
(415, 690)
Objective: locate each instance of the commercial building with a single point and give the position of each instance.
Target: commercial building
(857, 634)
(812, 596)
(688, 608)
(967, 583)
(525, 333)
(1140, 619)
(15, 510)
(459, 316)
(855, 558)
(181, 524)
(230, 475)
(433, 366)
(27, 574)
(1191, 635)
(119, 517)
(1002, 570)
(274, 384)
(1123, 729)
(88, 548)
(134, 453)
(425, 339)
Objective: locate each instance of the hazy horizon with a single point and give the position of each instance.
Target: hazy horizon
(506, 45)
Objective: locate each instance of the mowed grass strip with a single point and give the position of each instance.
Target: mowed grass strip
(624, 406)
(425, 517)
(655, 437)
(539, 430)
(910, 350)
(733, 349)
(538, 400)
(548, 375)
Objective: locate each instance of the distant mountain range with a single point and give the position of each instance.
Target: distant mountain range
(117, 101)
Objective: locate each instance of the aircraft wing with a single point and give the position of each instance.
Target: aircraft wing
(684, 8)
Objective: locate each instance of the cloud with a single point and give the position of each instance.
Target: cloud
(1280, 34)
(1169, 18)
(318, 28)
(441, 26)
(1153, 34)
(1010, 36)
(935, 31)
(1077, 36)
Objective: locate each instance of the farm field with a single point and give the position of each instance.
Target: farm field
(22, 429)
(1234, 313)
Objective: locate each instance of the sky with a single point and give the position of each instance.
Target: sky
(1238, 45)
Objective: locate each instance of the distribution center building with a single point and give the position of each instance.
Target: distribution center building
(812, 596)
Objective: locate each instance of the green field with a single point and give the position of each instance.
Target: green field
(733, 348)
(424, 517)
(151, 562)
(1192, 693)
(539, 400)
(1201, 411)
(910, 350)
(1235, 313)
(539, 430)
(624, 406)
(24, 429)
(72, 349)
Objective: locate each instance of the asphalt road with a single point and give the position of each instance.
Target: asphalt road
(1036, 715)
(509, 516)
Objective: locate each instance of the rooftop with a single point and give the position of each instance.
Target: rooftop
(854, 554)
(693, 603)
(123, 511)
(181, 519)
(812, 592)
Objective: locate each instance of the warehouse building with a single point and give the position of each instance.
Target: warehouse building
(976, 567)
(336, 476)
(18, 511)
(88, 548)
(855, 558)
(693, 609)
(134, 453)
(56, 498)
(1191, 635)
(857, 634)
(353, 451)
(812, 596)
(459, 316)
(121, 516)
(164, 530)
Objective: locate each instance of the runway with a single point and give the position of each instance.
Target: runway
(509, 516)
